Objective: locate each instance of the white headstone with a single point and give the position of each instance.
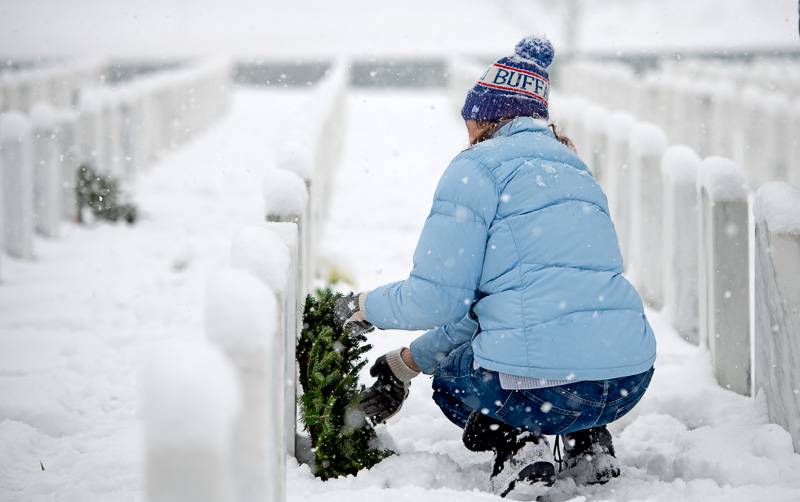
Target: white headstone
(725, 271)
(242, 318)
(776, 212)
(46, 171)
(679, 166)
(190, 400)
(16, 154)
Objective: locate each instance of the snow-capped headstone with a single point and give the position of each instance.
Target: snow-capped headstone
(793, 145)
(91, 127)
(241, 318)
(647, 143)
(16, 159)
(724, 263)
(294, 301)
(750, 145)
(111, 134)
(264, 254)
(132, 131)
(617, 129)
(190, 400)
(723, 108)
(776, 211)
(66, 133)
(592, 138)
(47, 181)
(286, 199)
(679, 166)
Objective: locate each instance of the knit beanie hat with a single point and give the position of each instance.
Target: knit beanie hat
(514, 86)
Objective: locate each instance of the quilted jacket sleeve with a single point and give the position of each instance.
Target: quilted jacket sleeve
(448, 259)
(430, 348)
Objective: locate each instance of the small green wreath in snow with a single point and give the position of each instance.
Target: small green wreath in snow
(329, 360)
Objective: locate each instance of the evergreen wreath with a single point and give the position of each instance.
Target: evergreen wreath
(101, 194)
(329, 360)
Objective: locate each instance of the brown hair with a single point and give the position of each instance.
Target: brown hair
(557, 132)
(561, 137)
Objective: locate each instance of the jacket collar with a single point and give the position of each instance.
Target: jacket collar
(523, 124)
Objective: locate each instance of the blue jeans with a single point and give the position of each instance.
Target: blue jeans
(459, 389)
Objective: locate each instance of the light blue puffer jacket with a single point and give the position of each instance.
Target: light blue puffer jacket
(520, 232)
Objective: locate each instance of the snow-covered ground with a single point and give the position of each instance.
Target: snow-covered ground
(77, 325)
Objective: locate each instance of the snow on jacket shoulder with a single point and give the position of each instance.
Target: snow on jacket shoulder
(520, 228)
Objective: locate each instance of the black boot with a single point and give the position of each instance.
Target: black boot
(523, 465)
(482, 433)
(524, 469)
(589, 456)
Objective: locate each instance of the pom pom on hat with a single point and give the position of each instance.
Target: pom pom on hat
(537, 49)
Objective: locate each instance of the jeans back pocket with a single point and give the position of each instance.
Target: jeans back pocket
(525, 410)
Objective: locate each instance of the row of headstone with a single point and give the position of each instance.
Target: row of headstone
(686, 232)
(117, 131)
(310, 147)
(254, 316)
(129, 127)
(715, 112)
(58, 84)
(231, 446)
(770, 74)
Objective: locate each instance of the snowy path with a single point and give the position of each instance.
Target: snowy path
(76, 326)
(687, 440)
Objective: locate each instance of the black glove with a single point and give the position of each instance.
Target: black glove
(347, 313)
(386, 395)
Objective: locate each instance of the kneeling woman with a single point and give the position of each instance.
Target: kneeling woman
(517, 275)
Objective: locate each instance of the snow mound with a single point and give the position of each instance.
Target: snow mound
(680, 162)
(264, 254)
(14, 126)
(91, 101)
(619, 125)
(565, 108)
(723, 178)
(593, 117)
(647, 139)
(43, 116)
(241, 316)
(285, 193)
(296, 157)
(779, 204)
(190, 395)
